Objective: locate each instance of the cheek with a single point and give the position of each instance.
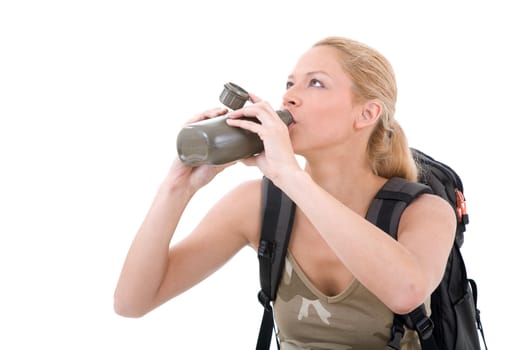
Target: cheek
(332, 123)
(318, 133)
(324, 125)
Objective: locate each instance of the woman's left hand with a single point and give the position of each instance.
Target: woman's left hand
(278, 157)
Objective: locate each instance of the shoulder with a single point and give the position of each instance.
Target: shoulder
(427, 202)
(429, 213)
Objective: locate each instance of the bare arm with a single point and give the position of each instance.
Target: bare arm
(401, 273)
(147, 259)
(154, 272)
(231, 224)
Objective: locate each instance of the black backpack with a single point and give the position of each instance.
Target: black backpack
(455, 319)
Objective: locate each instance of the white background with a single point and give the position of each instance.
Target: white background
(93, 93)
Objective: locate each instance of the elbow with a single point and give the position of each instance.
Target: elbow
(408, 299)
(126, 308)
(127, 312)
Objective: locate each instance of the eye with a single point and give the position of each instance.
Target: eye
(316, 83)
(289, 84)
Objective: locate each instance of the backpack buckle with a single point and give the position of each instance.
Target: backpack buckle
(266, 250)
(425, 327)
(418, 320)
(397, 333)
(264, 300)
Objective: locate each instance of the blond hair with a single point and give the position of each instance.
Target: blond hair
(373, 79)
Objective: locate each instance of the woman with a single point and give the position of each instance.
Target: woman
(342, 96)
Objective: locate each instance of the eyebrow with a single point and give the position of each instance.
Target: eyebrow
(311, 73)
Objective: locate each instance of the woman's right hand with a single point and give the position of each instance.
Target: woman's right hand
(197, 177)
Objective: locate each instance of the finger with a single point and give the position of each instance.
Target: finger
(263, 112)
(244, 124)
(254, 98)
(260, 110)
(252, 161)
(215, 112)
(212, 113)
(220, 168)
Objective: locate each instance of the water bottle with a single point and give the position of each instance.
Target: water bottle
(213, 141)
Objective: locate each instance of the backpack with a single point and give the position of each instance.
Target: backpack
(454, 323)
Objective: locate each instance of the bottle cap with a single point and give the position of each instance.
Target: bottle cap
(233, 96)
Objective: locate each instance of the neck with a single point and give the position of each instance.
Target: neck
(346, 175)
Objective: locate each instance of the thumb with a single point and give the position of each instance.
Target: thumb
(254, 98)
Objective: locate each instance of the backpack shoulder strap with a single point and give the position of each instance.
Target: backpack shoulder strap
(278, 212)
(390, 202)
(385, 212)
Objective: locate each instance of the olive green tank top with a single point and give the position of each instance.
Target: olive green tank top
(354, 319)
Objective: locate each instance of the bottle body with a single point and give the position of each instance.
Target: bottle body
(213, 141)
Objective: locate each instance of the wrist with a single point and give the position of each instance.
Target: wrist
(293, 180)
(177, 186)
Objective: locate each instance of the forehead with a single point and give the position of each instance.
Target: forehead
(319, 58)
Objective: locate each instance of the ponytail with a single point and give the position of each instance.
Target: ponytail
(388, 152)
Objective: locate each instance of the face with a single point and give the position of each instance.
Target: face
(319, 97)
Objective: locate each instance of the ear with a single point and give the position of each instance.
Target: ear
(370, 112)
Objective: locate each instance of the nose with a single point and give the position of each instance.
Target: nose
(291, 98)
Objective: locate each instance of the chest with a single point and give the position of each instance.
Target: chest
(317, 260)
(353, 319)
